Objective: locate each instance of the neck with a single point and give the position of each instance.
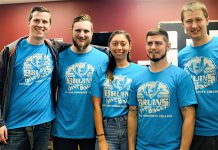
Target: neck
(122, 63)
(199, 42)
(34, 41)
(75, 49)
(158, 66)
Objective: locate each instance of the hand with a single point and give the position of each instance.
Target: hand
(3, 134)
(102, 144)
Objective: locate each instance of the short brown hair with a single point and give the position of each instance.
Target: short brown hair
(192, 6)
(158, 31)
(83, 17)
(39, 9)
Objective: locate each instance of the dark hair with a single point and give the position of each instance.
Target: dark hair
(158, 31)
(39, 9)
(83, 17)
(192, 6)
(112, 62)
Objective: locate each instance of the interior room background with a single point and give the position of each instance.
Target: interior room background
(134, 16)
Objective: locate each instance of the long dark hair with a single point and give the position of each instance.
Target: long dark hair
(112, 62)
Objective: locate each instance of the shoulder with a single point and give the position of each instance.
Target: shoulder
(98, 51)
(185, 50)
(102, 49)
(178, 73)
(177, 70)
(14, 44)
(215, 38)
(136, 66)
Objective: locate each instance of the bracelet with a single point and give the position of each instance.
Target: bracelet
(100, 134)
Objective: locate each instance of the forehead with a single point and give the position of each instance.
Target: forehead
(119, 37)
(155, 38)
(41, 15)
(83, 25)
(194, 14)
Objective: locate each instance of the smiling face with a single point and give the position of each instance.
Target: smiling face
(195, 25)
(156, 47)
(82, 35)
(39, 26)
(120, 47)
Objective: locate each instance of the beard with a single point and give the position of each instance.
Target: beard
(81, 47)
(154, 59)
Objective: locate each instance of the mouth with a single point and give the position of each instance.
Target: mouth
(153, 52)
(39, 30)
(195, 31)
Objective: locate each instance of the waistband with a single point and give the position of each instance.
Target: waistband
(115, 119)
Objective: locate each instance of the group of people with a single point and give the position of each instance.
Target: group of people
(86, 98)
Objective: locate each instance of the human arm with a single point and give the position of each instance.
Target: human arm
(132, 126)
(3, 129)
(99, 123)
(60, 46)
(188, 114)
(3, 134)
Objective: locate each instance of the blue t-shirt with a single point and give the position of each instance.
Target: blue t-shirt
(74, 112)
(114, 94)
(31, 99)
(201, 63)
(159, 97)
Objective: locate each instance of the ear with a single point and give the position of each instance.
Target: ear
(130, 47)
(168, 46)
(207, 20)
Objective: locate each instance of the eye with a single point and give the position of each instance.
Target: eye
(44, 21)
(114, 43)
(149, 43)
(189, 21)
(36, 20)
(158, 43)
(77, 30)
(123, 44)
(86, 31)
(199, 19)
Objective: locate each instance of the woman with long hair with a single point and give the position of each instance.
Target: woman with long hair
(110, 87)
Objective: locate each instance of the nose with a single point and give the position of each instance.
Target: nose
(194, 24)
(81, 34)
(40, 24)
(153, 46)
(119, 46)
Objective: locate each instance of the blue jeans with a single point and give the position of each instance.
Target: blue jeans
(115, 130)
(28, 138)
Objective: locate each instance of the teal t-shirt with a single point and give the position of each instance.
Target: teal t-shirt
(74, 112)
(114, 94)
(159, 97)
(31, 99)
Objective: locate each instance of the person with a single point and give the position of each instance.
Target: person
(199, 60)
(28, 76)
(74, 123)
(110, 89)
(162, 101)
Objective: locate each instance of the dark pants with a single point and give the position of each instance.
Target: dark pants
(28, 138)
(204, 143)
(72, 144)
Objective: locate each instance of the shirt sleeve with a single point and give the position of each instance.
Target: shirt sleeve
(186, 91)
(95, 85)
(132, 101)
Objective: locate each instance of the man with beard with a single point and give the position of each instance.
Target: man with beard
(74, 124)
(199, 59)
(161, 101)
